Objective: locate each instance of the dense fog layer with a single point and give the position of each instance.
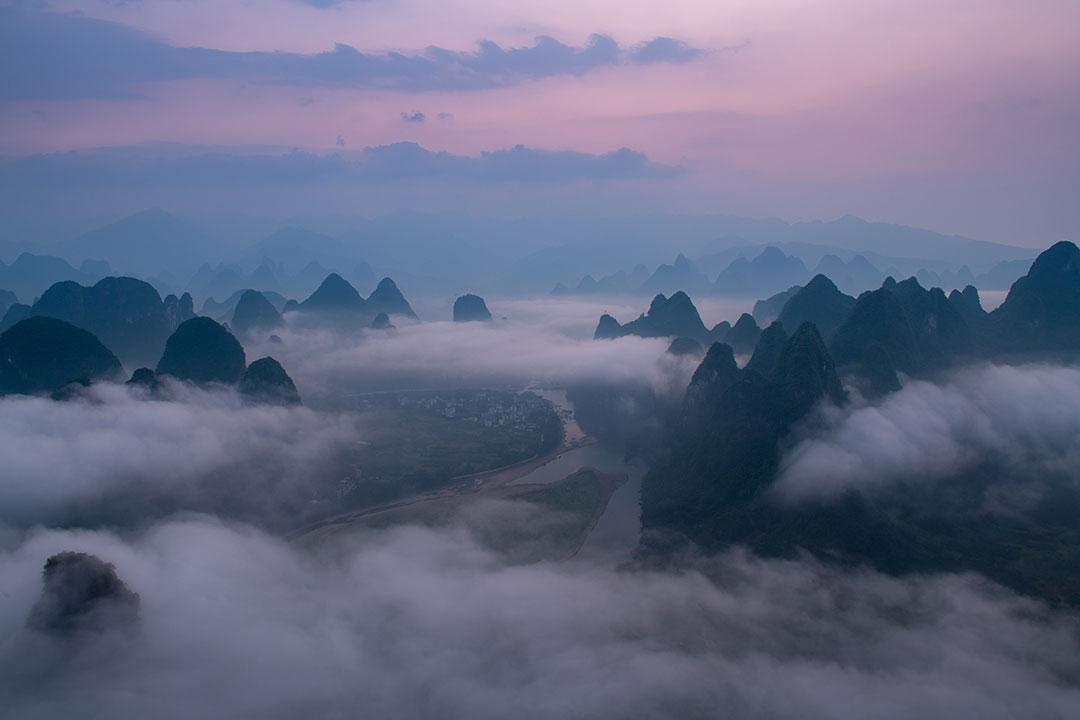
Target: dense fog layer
(116, 440)
(538, 342)
(1022, 420)
(417, 623)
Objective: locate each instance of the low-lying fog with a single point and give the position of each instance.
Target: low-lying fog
(420, 623)
(1024, 420)
(529, 341)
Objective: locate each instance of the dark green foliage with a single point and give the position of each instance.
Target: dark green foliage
(82, 593)
(203, 351)
(388, 299)
(254, 313)
(41, 354)
(265, 381)
(744, 335)
(471, 308)
(820, 303)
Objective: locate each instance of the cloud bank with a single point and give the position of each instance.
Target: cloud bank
(115, 443)
(47, 55)
(423, 624)
(329, 364)
(1021, 420)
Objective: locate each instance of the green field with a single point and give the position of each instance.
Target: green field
(406, 451)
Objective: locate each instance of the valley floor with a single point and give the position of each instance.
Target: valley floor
(572, 484)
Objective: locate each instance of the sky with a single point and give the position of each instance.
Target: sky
(959, 116)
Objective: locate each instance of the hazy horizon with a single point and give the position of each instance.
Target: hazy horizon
(473, 360)
(783, 109)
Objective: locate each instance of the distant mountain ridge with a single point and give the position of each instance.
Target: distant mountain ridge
(437, 251)
(761, 272)
(143, 243)
(336, 298)
(127, 314)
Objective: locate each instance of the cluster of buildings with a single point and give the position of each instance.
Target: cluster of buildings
(490, 408)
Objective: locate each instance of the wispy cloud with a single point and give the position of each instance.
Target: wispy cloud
(67, 56)
(169, 165)
(664, 49)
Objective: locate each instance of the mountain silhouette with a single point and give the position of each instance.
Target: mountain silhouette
(1042, 309)
(723, 450)
(254, 313)
(202, 351)
(668, 317)
(82, 594)
(265, 381)
(388, 299)
(819, 302)
(335, 295)
(743, 335)
(127, 314)
(470, 308)
(41, 354)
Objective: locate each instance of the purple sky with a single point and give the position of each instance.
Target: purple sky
(963, 115)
